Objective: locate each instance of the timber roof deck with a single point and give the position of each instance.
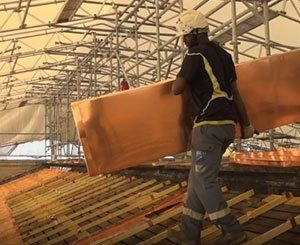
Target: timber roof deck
(59, 207)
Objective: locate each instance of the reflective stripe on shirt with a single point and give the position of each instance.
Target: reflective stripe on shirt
(217, 92)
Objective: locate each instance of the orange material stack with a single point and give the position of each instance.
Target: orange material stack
(283, 157)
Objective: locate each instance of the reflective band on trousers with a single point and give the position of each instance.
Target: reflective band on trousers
(192, 214)
(219, 214)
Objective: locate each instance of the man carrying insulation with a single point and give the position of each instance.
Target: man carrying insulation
(208, 76)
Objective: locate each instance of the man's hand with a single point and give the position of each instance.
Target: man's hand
(248, 131)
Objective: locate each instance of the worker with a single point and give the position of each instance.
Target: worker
(124, 85)
(208, 75)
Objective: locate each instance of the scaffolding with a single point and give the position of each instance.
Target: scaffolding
(89, 47)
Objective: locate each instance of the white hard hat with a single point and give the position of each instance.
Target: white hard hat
(190, 20)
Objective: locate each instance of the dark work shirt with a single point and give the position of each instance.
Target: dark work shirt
(209, 70)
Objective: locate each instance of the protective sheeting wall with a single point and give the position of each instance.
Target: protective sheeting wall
(7, 150)
(22, 124)
(61, 126)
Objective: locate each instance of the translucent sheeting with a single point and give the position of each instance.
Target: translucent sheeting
(22, 124)
(131, 127)
(7, 150)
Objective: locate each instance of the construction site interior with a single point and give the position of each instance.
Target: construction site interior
(56, 52)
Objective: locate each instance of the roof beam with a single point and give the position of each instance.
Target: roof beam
(59, 63)
(4, 7)
(19, 6)
(68, 10)
(25, 14)
(244, 26)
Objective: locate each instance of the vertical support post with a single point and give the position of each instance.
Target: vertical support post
(117, 51)
(268, 52)
(90, 63)
(235, 44)
(136, 39)
(53, 122)
(158, 67)
(111, 63)
(181, 39)
(78, 84)
(78, 80)
(267, 27)
(95, 65)
(91, 81)
(68, 116)
(283, 6)
(58, 125)
(187, 155)
(46, 126)
(23, 25)
(234, 41)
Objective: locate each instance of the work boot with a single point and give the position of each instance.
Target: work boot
(232, 238)
(179, 238)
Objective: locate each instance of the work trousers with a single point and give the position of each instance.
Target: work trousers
(209, 142)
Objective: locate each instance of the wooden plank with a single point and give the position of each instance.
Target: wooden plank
(13, 196)
(267, 236)
(162, 219)
(50, 182)
(78, 206)
(20, 214)
(31, 223)
(57, 194)
(66, 189)
(46, 191)
(140, 203)
(101, 204)
(61, 211)
(65, 185)
(52, 212)
(27, 198)
(213, 231)
(242, 197)
(165, 234)
(295, 201)
(168, 214)
(73, 227)
(264, 208)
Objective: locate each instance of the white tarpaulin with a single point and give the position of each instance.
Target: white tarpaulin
(22, 124)
(7, 150)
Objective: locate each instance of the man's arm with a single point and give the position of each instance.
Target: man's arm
(186, 120)
(178, 86)
(190, 69)
(239, 104)
(247, 128)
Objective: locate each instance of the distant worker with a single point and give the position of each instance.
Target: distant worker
(124, 85)
(208, 75)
